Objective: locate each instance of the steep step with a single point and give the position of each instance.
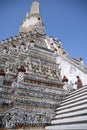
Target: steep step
(75, 94)
(76, 108)
(70, 120)
(74, 98)
(82, 100)
(68, 127)
(72, 114)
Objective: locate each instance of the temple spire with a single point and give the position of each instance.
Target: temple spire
(35, 8)
(33, 22)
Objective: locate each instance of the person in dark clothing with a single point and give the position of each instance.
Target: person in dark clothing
(79, 82)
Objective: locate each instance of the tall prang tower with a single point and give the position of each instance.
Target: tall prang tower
(31, 87)
(32, 65)
(33, 22)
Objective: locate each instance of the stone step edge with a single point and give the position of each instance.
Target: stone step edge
(70, 116)
(80, 109)
(69, 97)
(70, 120)
(68, 123)
(81, 102)
(82, 106)
(84, 95)
(82, 126)
(75, 94)
(77, 90)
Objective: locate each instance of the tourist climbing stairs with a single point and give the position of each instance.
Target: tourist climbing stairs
(72, 114)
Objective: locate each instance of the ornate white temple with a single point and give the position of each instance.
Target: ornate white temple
(32, 65)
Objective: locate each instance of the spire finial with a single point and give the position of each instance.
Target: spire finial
(35, 8)
(33, 22)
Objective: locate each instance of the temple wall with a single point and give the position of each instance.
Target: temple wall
(71, 69)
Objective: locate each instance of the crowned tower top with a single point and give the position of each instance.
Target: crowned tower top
(35, 8)
(33, 22)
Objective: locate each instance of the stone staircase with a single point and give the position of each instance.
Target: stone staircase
(72, 114)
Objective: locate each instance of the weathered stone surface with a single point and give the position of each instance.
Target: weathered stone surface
(31, 88)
